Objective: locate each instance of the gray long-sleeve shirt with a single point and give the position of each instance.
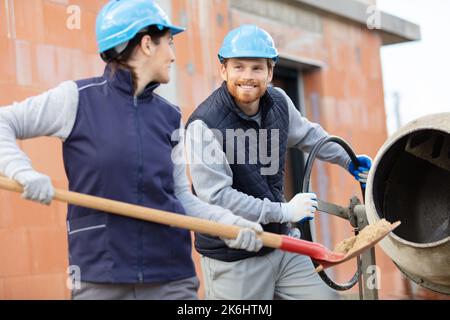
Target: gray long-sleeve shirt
(212, 176)
(53, 113)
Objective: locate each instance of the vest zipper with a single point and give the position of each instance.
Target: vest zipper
(140, 274)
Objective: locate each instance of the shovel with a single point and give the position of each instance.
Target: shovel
(353, 254)
(314, 250)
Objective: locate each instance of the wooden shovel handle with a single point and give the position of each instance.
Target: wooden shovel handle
(153, 215)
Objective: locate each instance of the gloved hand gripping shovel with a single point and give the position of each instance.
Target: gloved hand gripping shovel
(316, 251)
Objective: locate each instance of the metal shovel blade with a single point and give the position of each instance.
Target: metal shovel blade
(326, 263)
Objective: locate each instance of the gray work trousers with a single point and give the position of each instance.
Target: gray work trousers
(277, 275)
(185, 289)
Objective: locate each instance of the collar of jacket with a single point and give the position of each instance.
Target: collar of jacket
(121, 80)
(265, 103)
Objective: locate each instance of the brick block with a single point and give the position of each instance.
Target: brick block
(30, 214)
(55, 26)
(24, 62)
(46, 155)
(6, 212)
(4, 20)
(48, 250)
(10, 93)
(8, 60)
(2, 290)
(15, 252)
(29, 20)
(89, 5)
(36, 287)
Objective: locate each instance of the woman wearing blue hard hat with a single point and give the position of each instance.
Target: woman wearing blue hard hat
(116, 133)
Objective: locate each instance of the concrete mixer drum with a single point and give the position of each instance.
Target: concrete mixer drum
(410, 182)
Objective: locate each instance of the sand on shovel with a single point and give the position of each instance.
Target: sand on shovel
(367, 235)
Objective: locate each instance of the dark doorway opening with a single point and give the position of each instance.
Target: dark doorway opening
(289, 79)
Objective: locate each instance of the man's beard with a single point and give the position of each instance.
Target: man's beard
(247, 97)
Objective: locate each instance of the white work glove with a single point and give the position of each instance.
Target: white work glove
(301, 208)
(36, 186)
(247, 238)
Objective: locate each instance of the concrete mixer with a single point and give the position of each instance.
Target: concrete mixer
(409, 182)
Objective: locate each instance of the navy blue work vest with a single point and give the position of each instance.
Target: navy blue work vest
(120, 148)
(219, 111)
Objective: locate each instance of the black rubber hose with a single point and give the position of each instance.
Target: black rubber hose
(305, 188)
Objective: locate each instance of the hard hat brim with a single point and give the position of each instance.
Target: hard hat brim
(102, 48)
(176, 29)
(249, 54)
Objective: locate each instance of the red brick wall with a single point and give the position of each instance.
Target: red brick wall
(38, 51)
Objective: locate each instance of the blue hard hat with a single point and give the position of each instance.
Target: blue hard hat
(120, 20)
(248, 41)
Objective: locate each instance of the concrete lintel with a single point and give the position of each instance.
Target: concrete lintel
(392, 28)
(297, 62)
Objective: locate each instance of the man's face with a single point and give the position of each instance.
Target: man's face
(247, 78)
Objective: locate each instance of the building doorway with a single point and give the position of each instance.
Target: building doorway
(290, 80)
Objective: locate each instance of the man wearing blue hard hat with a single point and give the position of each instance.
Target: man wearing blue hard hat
(114, 131)
(247, 119)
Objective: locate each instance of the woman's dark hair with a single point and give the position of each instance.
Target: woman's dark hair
(119, 60)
